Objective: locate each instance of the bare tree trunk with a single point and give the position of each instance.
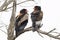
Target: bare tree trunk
(3, 7)
(12, 22)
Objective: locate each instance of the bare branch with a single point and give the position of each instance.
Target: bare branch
(51, 30)
(40, 34)
(12, 22)
(3, 31)
(56, 32)
(5, 4)
(58, 35)
(39, 31)
(50, 35)
(16, 4)
(25, 30)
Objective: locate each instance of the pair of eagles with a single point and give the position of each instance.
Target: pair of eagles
(26, 18)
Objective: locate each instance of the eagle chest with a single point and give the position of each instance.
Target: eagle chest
(39, 17)
(23, 19)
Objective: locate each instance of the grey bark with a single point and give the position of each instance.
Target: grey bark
(12, 22)
(10, 30)
(3, 7)
(41, 32)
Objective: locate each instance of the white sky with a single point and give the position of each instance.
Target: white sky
(51, 10)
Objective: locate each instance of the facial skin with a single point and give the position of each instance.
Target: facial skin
(35, 9)
(26, 11)
(23, 11)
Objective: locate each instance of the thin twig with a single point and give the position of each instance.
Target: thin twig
(39, 31)
(12, 6)
(3, 31)
(5, 4)
(40, 34)
(51, 30)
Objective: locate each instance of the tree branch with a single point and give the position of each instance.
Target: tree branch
(39, 31)
(3, 31)
(25, 30)
(3, 7)
(51, 30)
(12, 6)
(46, 33)
(12, 22)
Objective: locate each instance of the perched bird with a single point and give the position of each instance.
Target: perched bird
(36, 17)
(21, 21)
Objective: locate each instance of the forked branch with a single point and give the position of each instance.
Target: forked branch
(41, 32)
